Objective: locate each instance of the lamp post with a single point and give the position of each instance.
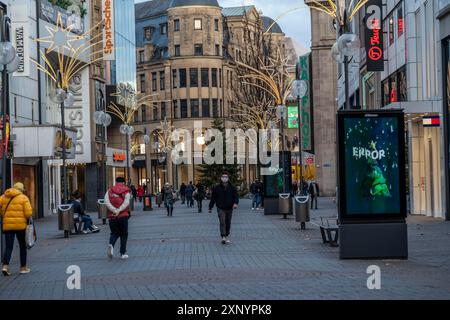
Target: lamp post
(9, 64)
(282, 114)
(127, 130)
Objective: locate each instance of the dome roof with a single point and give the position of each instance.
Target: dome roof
(267, 22)
(184, 3)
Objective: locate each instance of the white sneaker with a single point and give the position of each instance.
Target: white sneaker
(124, 256)
(85, 232)
(110, 251)
(253, 209)
(227, 241)
(224, 240)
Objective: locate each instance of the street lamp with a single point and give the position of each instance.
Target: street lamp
(103, 119)
(127, 130)
(9, 61)
(299, 90)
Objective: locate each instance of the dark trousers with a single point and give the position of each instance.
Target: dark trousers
(225, 221)
(119, 229)
(200, 205)
(9, 245)
(190, 201)
(314, 201)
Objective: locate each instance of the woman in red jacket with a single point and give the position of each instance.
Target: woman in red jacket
(140, 193)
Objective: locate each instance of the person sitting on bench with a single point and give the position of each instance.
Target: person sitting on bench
(86, 219)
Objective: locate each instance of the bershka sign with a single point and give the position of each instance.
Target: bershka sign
(108, 30)
(374, 36)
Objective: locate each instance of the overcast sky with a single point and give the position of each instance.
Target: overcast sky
(296, 24)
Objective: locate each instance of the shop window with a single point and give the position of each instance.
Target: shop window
(402, 85)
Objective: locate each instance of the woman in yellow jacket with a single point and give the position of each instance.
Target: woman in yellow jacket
(15, 208)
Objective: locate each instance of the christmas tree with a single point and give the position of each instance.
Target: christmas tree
(210, 174)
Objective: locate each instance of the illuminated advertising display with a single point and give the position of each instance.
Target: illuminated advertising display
(372, 165)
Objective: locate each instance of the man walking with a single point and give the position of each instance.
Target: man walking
(313, 193)
(189, 195)
(225, 197)
(183, 193)
(117, 200)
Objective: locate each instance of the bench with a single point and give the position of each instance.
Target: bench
(330, 233)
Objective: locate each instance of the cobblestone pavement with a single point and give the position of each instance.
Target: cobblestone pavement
(270, 258)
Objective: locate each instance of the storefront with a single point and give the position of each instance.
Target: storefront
(116, 162)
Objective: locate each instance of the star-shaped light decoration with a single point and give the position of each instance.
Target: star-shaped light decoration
(59, 38)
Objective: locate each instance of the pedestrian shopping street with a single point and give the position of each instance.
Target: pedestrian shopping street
(182, 258)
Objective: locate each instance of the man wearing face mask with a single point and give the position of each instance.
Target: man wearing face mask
(225, 197)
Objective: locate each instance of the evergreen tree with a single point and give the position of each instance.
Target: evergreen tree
(210, 174)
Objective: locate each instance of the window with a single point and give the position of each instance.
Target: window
(205, 77)
(144, 113)
(220, 78)
(154, 84)
(216, 24)
(395, 88)
(205, 108)
(215, 108)
(177, 50)
(163, 110)
(174, 79)
(163, 28)
(184, 107)
(155, 111)
(197, 24)
(193, 77)
(142, 82)
(217, 50)
(162, 80)
(198, 50)
(214, 77)
(141, 56)
(401, 22)
(148, 34)
(176, 25)
(195, 109)
(175, 109)
(183, 78)
(136, 117)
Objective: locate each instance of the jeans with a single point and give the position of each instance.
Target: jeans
(256, 201)
(190, 201)
(9, 240)
(314, 201)
(87, 222)
(200, 205)
(119, 229)
(183, 199)
(225, 221)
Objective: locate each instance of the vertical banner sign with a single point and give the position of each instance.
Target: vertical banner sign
(305, 104)
(108, 30)
(374, 36)
(20, 42)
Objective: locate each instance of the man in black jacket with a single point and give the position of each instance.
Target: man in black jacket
(226, 198)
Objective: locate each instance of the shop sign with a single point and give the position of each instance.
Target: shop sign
(374, 36)
(119, 157)
(433, 121)
(306, 123)
(108, 30)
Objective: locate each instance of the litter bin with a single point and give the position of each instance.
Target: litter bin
(148, 202)
(102, 210)
(65, 218)
(302, 210)
(285, 204)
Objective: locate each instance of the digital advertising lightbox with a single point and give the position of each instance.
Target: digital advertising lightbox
(371, 166)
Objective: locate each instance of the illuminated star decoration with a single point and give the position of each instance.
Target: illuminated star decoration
(69, 49)
(339, 11)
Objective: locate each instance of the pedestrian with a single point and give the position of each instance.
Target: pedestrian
(190, 194)
(313, 193)
(253, 194)
(15, 210)
(183, 193)
(85, 218)
(168, 198)
(199, 195)
(117, 200)
(225, 197)
(140, 193)
(295, 188)
(133, 192)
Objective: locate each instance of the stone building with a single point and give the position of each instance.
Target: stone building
(324, 70)
(185, 54)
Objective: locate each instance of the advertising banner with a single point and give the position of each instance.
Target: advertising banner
(273, 184)
(108, 30)
(374, 35)
(293, 122)
(372, 181)
(306, 118)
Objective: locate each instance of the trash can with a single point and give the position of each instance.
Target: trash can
(102, 210)
(65, 218)
(302, 209)
(285, 204)
(148, 202)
